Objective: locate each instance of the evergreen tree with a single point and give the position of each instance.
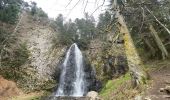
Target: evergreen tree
(9, 10)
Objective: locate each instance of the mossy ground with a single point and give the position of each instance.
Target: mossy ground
(118, 89)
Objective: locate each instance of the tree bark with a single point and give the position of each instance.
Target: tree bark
(158, 42)
(135, 64)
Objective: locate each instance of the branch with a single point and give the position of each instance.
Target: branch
(143, 14)
(158, 20)
(69, 3)
(85, 6)
(98, 7)
(73, 7)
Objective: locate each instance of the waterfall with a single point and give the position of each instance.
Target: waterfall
(72, 81)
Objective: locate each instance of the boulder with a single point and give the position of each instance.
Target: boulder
(93, 95)
(167, 88)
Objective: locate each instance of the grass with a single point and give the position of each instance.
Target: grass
(113, 85)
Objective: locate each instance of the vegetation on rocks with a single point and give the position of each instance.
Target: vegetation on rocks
(109, 89)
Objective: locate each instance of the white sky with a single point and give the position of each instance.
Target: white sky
(55, 7)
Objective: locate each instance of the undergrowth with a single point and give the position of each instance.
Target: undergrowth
(118, 89)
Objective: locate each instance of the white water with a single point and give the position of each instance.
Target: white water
(78, 82)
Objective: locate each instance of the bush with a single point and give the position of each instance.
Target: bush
(41, 13)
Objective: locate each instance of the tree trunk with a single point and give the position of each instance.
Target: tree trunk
(149, 45)
(135, 64)
(158, 42)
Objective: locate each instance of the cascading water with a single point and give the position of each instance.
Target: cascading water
(72, 81)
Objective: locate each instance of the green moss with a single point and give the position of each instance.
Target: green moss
(112, 85)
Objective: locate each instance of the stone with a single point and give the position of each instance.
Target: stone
(166, 96)
(161, 90)
(138, 97)
(92, 94)
(147, 98)
(167, 88)
(167, 82)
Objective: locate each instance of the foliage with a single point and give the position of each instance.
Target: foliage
(41, 13)
(13, 62)
(80, 31)
(37, 11)
(104, 21)
(139, 21)
(33, 8)
(9, 10)
(16, 57)
(13, 55)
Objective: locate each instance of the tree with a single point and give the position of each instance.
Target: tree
(104, 23)
(80, 31)
(9, 10)
(135, 64)
(33, 8)
(143, 14)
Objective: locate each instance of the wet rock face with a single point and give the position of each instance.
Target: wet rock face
(108, 57)
(115, 66)
(92, 83)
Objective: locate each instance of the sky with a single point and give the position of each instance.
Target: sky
(71, 10)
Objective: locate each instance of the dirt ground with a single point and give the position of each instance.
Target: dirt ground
(160, 77)
(8, 89)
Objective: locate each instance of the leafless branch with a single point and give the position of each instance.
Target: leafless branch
(73, 7)
(85, 6)
(69, 3)
(98, 7)
(143, 15)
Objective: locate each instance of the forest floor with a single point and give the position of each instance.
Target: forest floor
(160, 78)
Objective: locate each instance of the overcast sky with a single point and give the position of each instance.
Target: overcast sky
(55, 7)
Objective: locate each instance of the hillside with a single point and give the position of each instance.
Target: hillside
(37, 73)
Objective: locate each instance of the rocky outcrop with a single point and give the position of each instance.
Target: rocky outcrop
(108, 58)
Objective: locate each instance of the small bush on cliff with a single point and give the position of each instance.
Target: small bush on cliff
(37, 11)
